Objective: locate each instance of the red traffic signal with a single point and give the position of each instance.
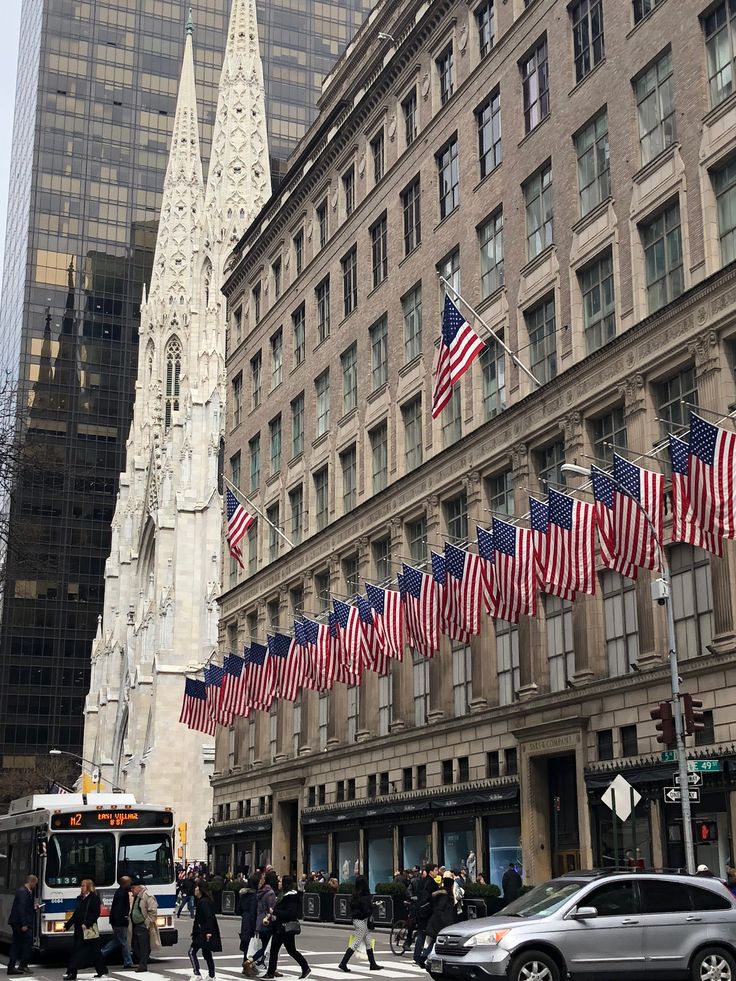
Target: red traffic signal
(665, 724)
(693, 716)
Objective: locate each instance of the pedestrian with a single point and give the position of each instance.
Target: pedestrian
(248, 912)
(442, 915)
(511, 883)
(286, 927)
(424, 907)
(264, 913)
(205, 930)
(120, 921)
(143, 929)
(87, 948)
(704, 872)
(21, 922)
(361, 910)
(186, 894)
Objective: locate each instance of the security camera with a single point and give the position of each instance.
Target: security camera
(660, 591)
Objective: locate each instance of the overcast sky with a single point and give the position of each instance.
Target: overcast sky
(8, 68)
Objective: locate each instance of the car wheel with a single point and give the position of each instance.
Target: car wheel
(535, 965)
(713, 964)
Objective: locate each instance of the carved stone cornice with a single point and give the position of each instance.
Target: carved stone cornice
(704, 352)
(633, 393)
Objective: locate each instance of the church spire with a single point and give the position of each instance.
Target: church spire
(239, 179)
(173, 265)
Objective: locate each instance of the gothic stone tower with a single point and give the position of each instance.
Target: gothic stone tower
(162, 576)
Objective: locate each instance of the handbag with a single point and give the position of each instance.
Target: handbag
(292, 926)
(91, 932)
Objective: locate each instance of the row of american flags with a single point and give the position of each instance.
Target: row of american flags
(556, 555)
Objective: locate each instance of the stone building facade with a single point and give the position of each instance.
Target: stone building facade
(572, 177)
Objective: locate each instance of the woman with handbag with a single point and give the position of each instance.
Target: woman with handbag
(205, 931)
(286, 928)
(361, 910)
(87, 947)
(264, 913)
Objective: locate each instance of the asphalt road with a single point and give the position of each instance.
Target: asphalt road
(322, 945)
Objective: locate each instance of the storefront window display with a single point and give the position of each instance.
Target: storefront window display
(633, 840)
(348, 856)
(416, 845)
(316, 855)
(380, 857)
(458, 841)
(504, 847)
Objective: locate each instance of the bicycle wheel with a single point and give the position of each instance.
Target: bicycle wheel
(398, 937)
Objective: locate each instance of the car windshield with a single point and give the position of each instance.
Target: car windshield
(76, 856)
(146, 858)
(543, 900)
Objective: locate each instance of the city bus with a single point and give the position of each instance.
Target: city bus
(64, 838)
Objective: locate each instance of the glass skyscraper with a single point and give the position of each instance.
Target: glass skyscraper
(95, 103)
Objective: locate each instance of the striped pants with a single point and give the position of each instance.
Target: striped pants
(360, 935)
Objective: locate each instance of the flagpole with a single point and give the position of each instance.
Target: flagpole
(236, 490)
(494, 335)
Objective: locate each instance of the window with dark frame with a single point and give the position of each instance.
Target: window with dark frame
(349, 364)
(321, 495)
(539, 212)
(349, 465)
(298, 243)
(674, 397)
(296, 505)
(485, 22)
(371, 788)
(379, 453)
(411, 305)
(349, 265)
(490, 240)
(449, 178)
(297, 425)
(447, 773)
(407, 782)
(594, 174)
(629, 741)
(535, 86)
(256, 363)
(599, 301)
(412, 417)
(605, 744)
(488, 119)
(446, 74)
(421, 777)
(542, 330)
(719, 27)
(348, 190)
(379, 250)
(661, 239)
(300, 338)
(322, 389)
(378, 155)
(643, 7)
(411, 203)
(608, 434)
(323, 310)
(276, 278)
(493, 764)
(724, 187)
(409, 109)
(378, 335)
(587, 35)
(655, 105)
(463, 769)
(511, 761)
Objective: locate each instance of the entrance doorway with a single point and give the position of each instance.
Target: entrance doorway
(564, 830)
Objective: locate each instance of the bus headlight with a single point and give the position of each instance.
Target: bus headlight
(164, 921)
(57, 926)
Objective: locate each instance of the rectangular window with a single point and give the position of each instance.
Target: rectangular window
(379, 353)
(379, 452)
(255, 374)
(348, 190)
(349, 265)
(490, 238)
(692, 600)
(411, 203)
(452, 422)
(323, 310)
(643, 7)
(322, 583)
(535, 84)
(724, 185)
(674, 397)
(256, 296)
(446, 74)
(238, 325)
(488, 118)
(311, 797)
(462, 685)
(297, 425)
(500, 489)
(507, 662)
(300, 339)
(351, 785)
(296, 506)
(449, 178)
(411, 305)
(371, 786)
(599, 302)
(620, 622)
(560, 650)
(511, 762)
(605, 744)
(340, 791)
(324, 714)
(297, 730)
(720, 33)
(298, 243)
(587, 36)
(540, 325)
(349, 363)
(447, 773)
(549, 460)
(407, 782)
(277, 359)
(378, 156)
(322, 387)
(409, 109)
(420, 668)
(276, 277)
(416, 537)
(456, 519)
(629, 741)
(382, 559)
(594, 174)
(661, 238)
(485, 22)
(321, 786)
(253, 549)
(655, 106)
(235, 469)
(412, 417)
(449, 270)
(422, 774)
(385, 694)
(463, 769)
(351, 574)
(323, 228)
(349, 464)
(608, 432)
(493, 367)
(379, 250)
(274, 430)
(237, 399)
(272, 514)
(493, 763)
(322, 500)
(538, 204)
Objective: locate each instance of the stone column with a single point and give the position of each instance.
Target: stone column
(337, 701)
(529, 628)
(480, 654)
(438, 694)
(402, 672)
(368, 698)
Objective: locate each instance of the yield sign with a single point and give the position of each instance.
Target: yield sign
(620, 796)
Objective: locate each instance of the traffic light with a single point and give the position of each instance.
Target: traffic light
(183, 833)
(693, 716)
(665, 724)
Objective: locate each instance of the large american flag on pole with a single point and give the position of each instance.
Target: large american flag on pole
(711, 472)
(213, 676)
(515, 574)
(261, 684)
(376, 653)
(194, 712)
(571, 564)
(386, 605)
(238, 523)
(421, 609)
(448, 624)
(539, 521)
(640, 490)
(318, 637)
(355, 652)
(311, 668)
(488, 570)
(345, 671)
(464, 585)
(231, 696)
(289, 664)
(684, 527)
(460, 345)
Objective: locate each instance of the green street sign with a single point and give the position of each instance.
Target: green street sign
(704, 766)
(668, 756)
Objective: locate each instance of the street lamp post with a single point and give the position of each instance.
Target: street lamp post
(662, 593)
(76, 756)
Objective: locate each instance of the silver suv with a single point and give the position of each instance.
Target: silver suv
(599, 925)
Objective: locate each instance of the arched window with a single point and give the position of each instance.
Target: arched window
(150, 350)
(173, 374)
(207, 282)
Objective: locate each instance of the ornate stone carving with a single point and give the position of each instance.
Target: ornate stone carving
(520, 462)
(633, 393)
(704, 351)
(573, 431)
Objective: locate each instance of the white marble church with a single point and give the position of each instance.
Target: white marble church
(162, 579)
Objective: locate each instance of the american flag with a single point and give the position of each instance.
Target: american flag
(308, 658)
(635, 543)
(352, 638)
(386, 605)
(194, 712)
(448, 625)
(684, 527)
(460, 345)
(604, 494)
(539, 521)
(375, 651)
(261, 685)
(345, 671)
(515, 573)
(571, 565)
(238, 523)
(488, 570)
(213, 676)
(289, 664)
(711, 473)
(233, 685)
(421, 607)
(318, 637)
(465, 585)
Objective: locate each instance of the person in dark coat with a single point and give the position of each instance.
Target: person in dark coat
(186, 895)
(286, 912)
(442, 915)
(21, 921)
(266, 900)
(424, 907)
(85, 917)
(248, 912)
(120, 921)
(361, 910)
(205, 930)
(511, 883)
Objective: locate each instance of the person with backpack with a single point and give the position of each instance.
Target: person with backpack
(361, 910)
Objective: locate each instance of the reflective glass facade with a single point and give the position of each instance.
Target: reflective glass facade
(95, 104)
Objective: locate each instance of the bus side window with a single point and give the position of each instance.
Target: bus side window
(4, 860)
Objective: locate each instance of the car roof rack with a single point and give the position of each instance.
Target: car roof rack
(597, 873)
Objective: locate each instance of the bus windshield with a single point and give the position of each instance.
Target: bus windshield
(80, 855)
(147, 858)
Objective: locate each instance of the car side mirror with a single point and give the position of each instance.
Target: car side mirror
(584, 913)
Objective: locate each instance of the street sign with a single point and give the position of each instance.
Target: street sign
(693, 779)
(668, 756)
(620, 797)
(672, 795)
(704, 766)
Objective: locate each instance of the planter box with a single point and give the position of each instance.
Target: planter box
(383, 910)
(341, 912)
(228, 901)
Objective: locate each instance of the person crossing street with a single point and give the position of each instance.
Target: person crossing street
(21, 922)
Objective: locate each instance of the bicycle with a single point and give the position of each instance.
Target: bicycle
(399, 937)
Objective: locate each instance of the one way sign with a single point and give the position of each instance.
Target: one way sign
(672, 795)
(694, 779)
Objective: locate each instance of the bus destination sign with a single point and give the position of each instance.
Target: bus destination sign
(87, 820)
